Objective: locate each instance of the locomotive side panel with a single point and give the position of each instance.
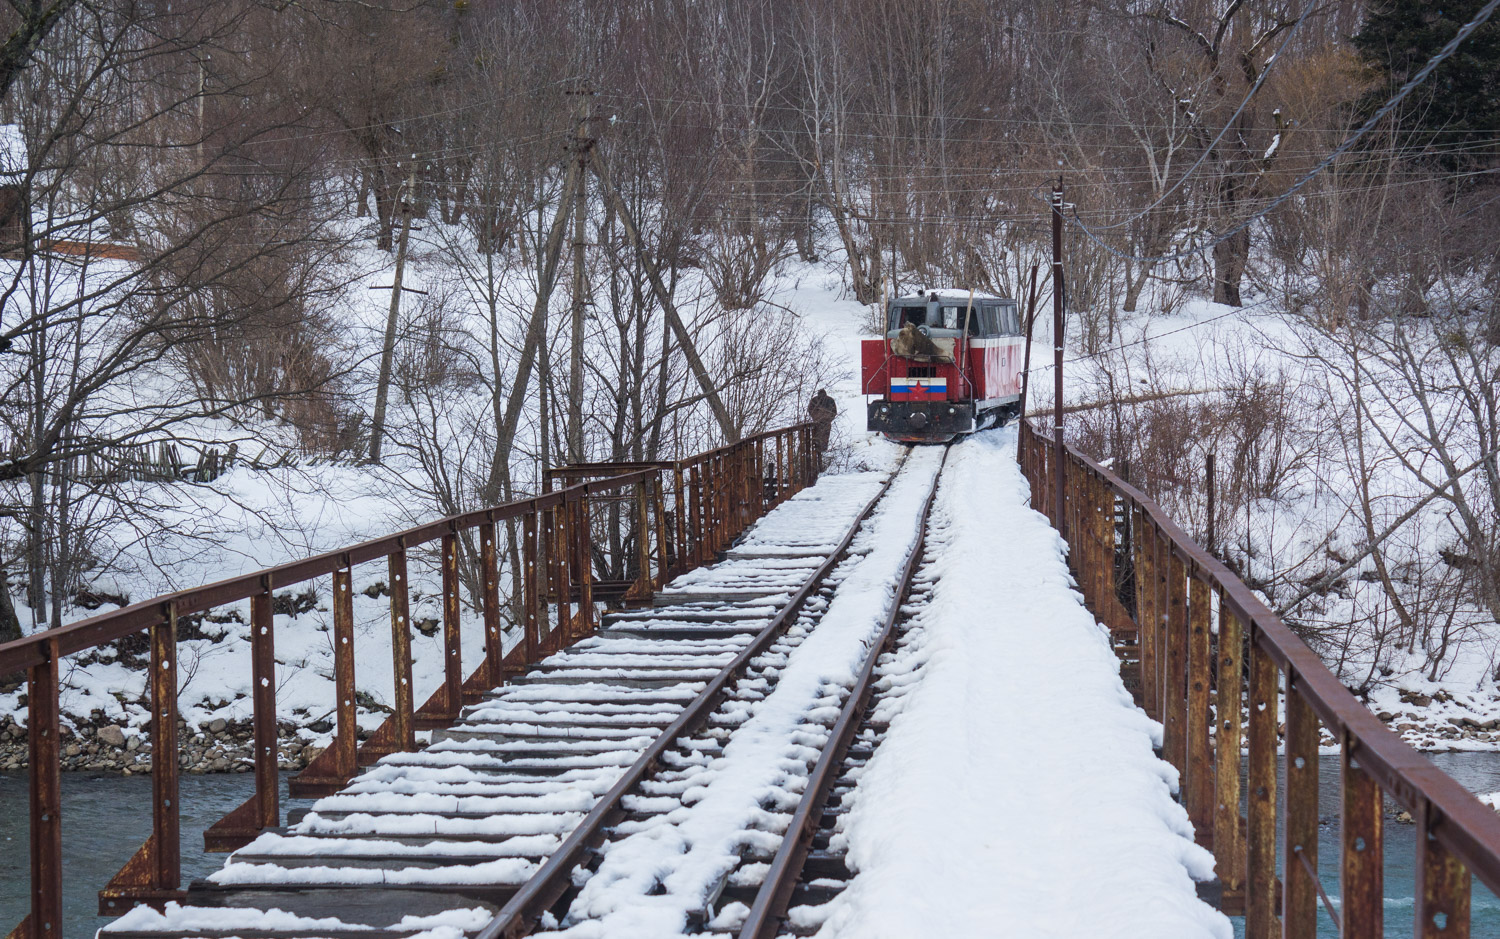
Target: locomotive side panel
(874, 375)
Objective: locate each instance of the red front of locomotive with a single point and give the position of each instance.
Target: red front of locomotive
(949, 364)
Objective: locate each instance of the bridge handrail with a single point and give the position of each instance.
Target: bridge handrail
(1141, 573)
(685, 512)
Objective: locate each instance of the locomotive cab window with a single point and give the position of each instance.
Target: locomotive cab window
(915, 315)
(991, 322)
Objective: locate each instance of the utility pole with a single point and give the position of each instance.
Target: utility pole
(388, 348)
(1060, 476)
(1026, 362)
(582, 145)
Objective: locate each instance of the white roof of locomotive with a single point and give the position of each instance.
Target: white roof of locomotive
(947, 295)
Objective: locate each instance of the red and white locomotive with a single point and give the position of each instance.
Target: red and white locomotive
(950, 364)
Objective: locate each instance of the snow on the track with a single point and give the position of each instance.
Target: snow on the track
(1016, 792)
(650, 882)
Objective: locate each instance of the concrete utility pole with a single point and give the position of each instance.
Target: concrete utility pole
(1058, 294)
(388, 348)
(582, 145)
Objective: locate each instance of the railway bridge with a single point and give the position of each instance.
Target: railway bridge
(990, 689)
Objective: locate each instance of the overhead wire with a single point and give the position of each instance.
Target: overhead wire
(1447, 50)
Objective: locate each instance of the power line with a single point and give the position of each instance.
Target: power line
(1406, 89)
(1259, 81)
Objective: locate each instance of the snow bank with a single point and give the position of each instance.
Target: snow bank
(1017, 792)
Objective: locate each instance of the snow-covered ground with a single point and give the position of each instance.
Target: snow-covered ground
(1017, 791)
(1193, 352)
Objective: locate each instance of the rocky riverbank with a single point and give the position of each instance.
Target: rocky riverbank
(219, 746)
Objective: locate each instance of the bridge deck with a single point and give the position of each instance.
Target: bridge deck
(1017, 791)
(1013, 788)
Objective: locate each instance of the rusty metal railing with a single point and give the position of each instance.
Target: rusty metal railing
(682, 514)
(1194, 681)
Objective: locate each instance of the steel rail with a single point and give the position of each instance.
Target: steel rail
(553, 879)
(771, 901)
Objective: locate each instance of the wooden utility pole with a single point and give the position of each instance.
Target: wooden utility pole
(582, 144)
(1058, 518)
(388, 348)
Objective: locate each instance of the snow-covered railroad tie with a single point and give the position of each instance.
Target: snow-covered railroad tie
(691, 845)
(447, 835)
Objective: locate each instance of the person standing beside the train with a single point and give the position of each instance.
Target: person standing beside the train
(822, 410)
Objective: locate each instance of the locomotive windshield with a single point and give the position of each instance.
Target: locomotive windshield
(951, 315)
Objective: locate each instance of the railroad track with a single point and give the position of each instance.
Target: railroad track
(691, 727)
(810, 869)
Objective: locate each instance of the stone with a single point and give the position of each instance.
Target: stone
(134, 743)
(1420, 700)
(311, 753)
(112, 735)
(217, 725)
(72, 749)
(1386, 716)
(1404, 727)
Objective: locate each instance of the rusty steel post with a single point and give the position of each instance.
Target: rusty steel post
(453, 672)
(1162, 565)
(552, 577)
(562, 549)
(263, 696)
(1145, 612)
(1104, 520)
(1443, 885)
(760, 476)
(403, 721)
(1229, 843)
(663, 533)
(1299, 907)
(718, 509)
(680, 553)
(489, 571)
(530, 592)
(166, 815)
(1362, 872)
(1057, 352)
(1174, 746)
(1260, 879)
(1200, 757)
(782, 447)
(583, 535)
(643, 540)
(45, 771)
(695, 518)
(346, 739)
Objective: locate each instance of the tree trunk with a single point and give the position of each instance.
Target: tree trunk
(10, 624)
(1230, 257)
